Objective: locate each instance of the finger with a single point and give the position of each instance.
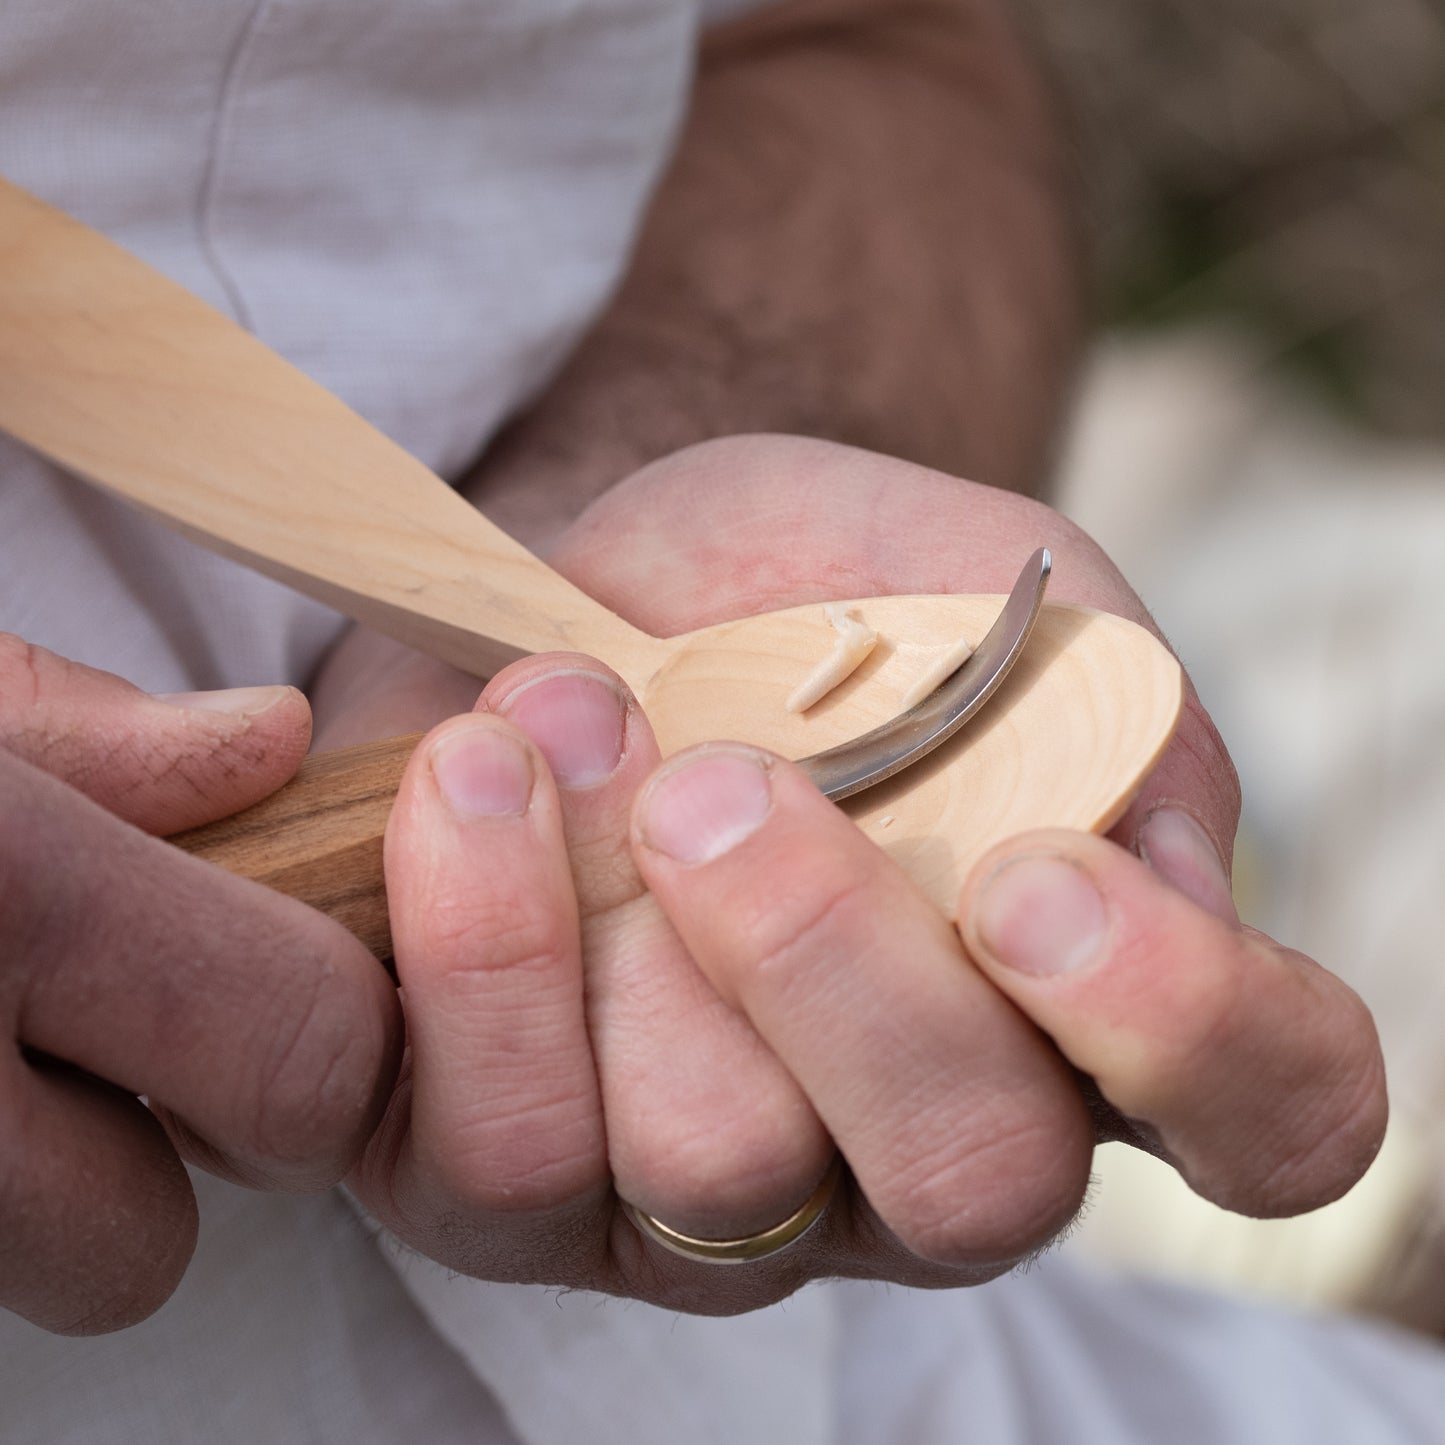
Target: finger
(706, 1128)
(1258, 1070)
(505, 1125)
(598, 747)
(1184, 818)
(1189, 856)
(267, 1028)
(162, 763)
(773, 545)
(100, 1218)
(961, 1124)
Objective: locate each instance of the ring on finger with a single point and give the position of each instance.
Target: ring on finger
(748, 1247)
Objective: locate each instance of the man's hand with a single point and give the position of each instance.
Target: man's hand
(1255, 1071)
(262, 1035)
(751, 523)
(603, 1001)
(683, 985)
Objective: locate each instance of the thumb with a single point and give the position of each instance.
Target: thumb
(164, 762)
(1256, 1070)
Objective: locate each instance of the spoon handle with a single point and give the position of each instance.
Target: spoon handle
(119, 374)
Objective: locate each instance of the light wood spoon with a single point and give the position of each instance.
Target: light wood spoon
(128, 379)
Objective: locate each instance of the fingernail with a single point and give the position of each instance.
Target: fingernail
(482, 772)
(577, 720)
(1178, 849)
(1040, 915)
(239, 701)
(706, 804)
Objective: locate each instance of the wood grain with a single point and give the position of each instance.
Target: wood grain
(319, 838)
(130, 380)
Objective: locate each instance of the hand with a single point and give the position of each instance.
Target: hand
(697, 1025)
(583, 1023)
(1253, 1070)
(263, 1036)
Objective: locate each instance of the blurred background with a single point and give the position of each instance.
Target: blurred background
(1260, 443)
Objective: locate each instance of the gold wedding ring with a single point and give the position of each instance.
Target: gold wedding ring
(750, 1246)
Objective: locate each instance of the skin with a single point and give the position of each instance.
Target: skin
(584, 1012)
(603, 1003)
(866, 234)
(264, 1036)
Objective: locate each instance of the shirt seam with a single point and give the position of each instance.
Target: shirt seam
(208, 197)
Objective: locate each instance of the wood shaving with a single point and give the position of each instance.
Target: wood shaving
(942, 668)
(855, 641)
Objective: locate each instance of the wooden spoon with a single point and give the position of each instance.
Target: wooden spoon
(123, 376)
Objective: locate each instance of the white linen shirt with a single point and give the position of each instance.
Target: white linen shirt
(422, 203)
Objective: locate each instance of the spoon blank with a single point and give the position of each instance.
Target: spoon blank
(126, 378)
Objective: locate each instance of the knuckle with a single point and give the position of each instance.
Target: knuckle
(999, 1200)
(748, 1169)
(316, 1084)
(1333, 1138)
(86, 729)
(484, 935)
(606, 875)
(786, 941)
(529, 1161)
(1154, 1072)
(66, 743)
(34, 723)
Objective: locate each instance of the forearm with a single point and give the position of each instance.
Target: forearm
(865, 235)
